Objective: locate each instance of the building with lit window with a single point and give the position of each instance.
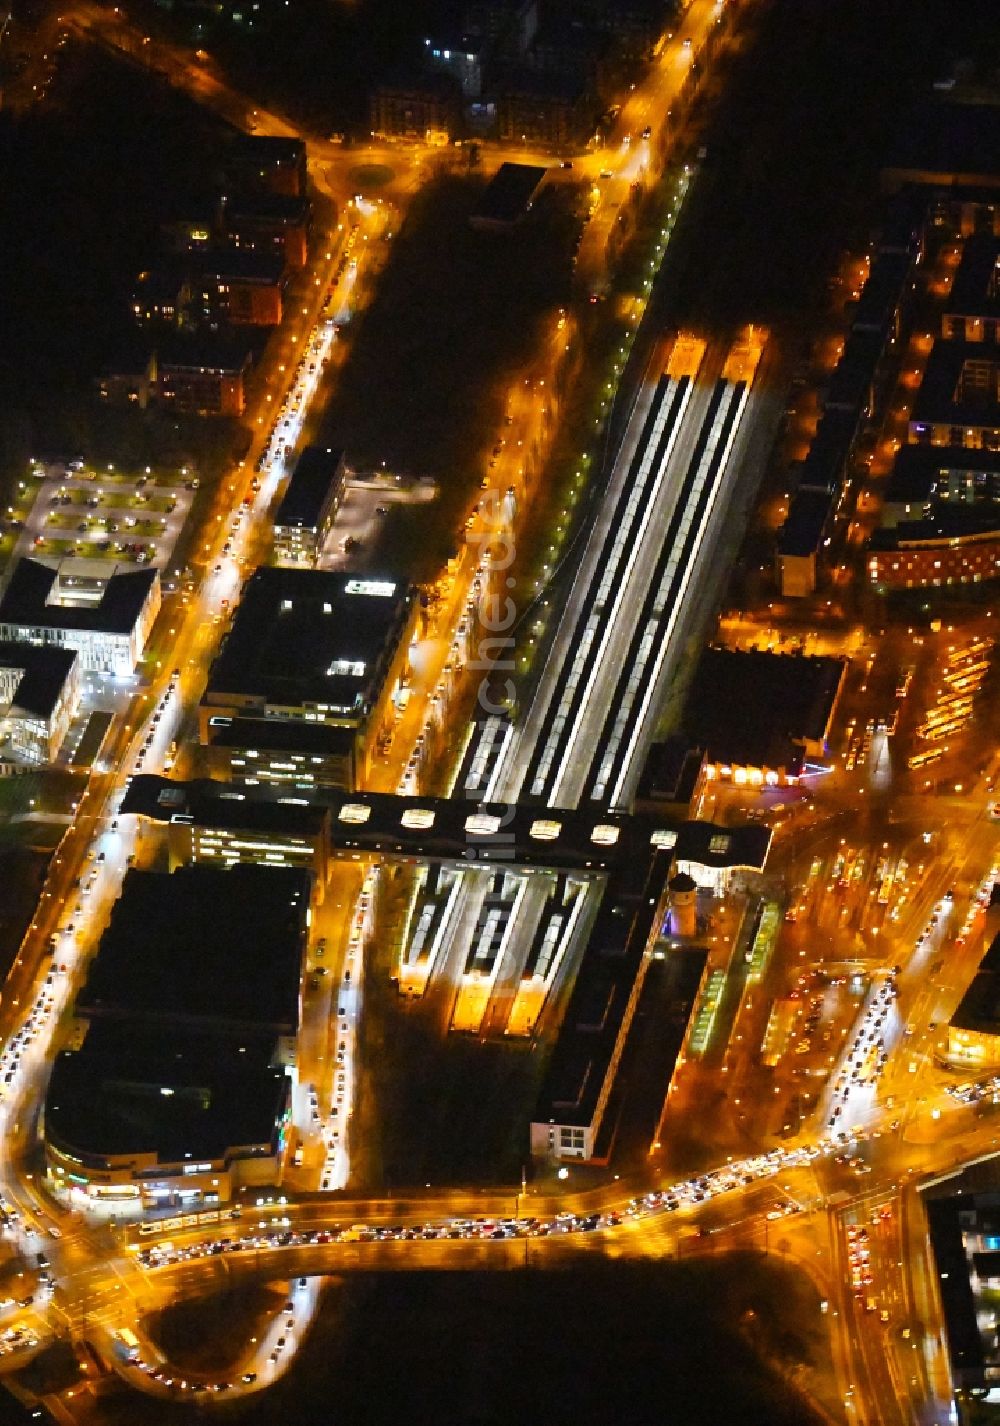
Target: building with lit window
(203, 374)
(958, 403)
(304, 685)
(926, 480)
(214, 823)
(555, 112)
(964, 1230)
(269, 223)
(974, 1030)
(267, 164)
(972, 312)
(105, 617)
(39, 694)
(244, 288)
(177, 1083)
(951, 547)
(308, 508)
(427, 107)
(575, 1119)
(761, 717)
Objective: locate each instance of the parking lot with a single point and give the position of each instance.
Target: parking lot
(75, 512)
(367, 506)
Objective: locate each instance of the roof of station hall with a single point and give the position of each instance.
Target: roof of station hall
(463, 830)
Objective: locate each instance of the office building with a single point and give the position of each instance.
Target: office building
(106, 617)
(304, 685)
(39, 695)
(308, 508)
(965, 1240)
(210, 822)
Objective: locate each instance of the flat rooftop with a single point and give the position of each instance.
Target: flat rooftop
(965, 1343)
(277, 735)
(275, 209)
(807, 522)
(945, 525)
(825, 464)
(979, 1008)
(883, 292)
(942, 143)
(205, 352)
(45, 670)
(455, 829)
(851, 382)
(266, 150)
(208, 803)
(311, 636)
(33, 600)
(747, 707)
(611, 961)
(975, 292)
(138, 1088)
(509, 194)
(241, 265)
(203, 946)
(944, 398)
(318, 471)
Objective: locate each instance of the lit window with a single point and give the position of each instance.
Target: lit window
(663, 838)
(355, 813)
(605, 835)
(377, 588)
(481, 824)
(544, 830)
(418, 818)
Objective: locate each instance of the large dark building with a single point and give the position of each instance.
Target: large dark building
(304, 684)
(177, 1085)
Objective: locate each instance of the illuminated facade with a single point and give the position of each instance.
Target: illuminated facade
(105, 618)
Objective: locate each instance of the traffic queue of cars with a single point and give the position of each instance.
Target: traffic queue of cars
(279, 1233)
(867, 1056)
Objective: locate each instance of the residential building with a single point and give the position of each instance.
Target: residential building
(270, 223)
(427, 107)
(265, 164)
(243, 288)
(555, 112)
(958, 403)
(204, 375)
(972, 312)
(462, 57)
